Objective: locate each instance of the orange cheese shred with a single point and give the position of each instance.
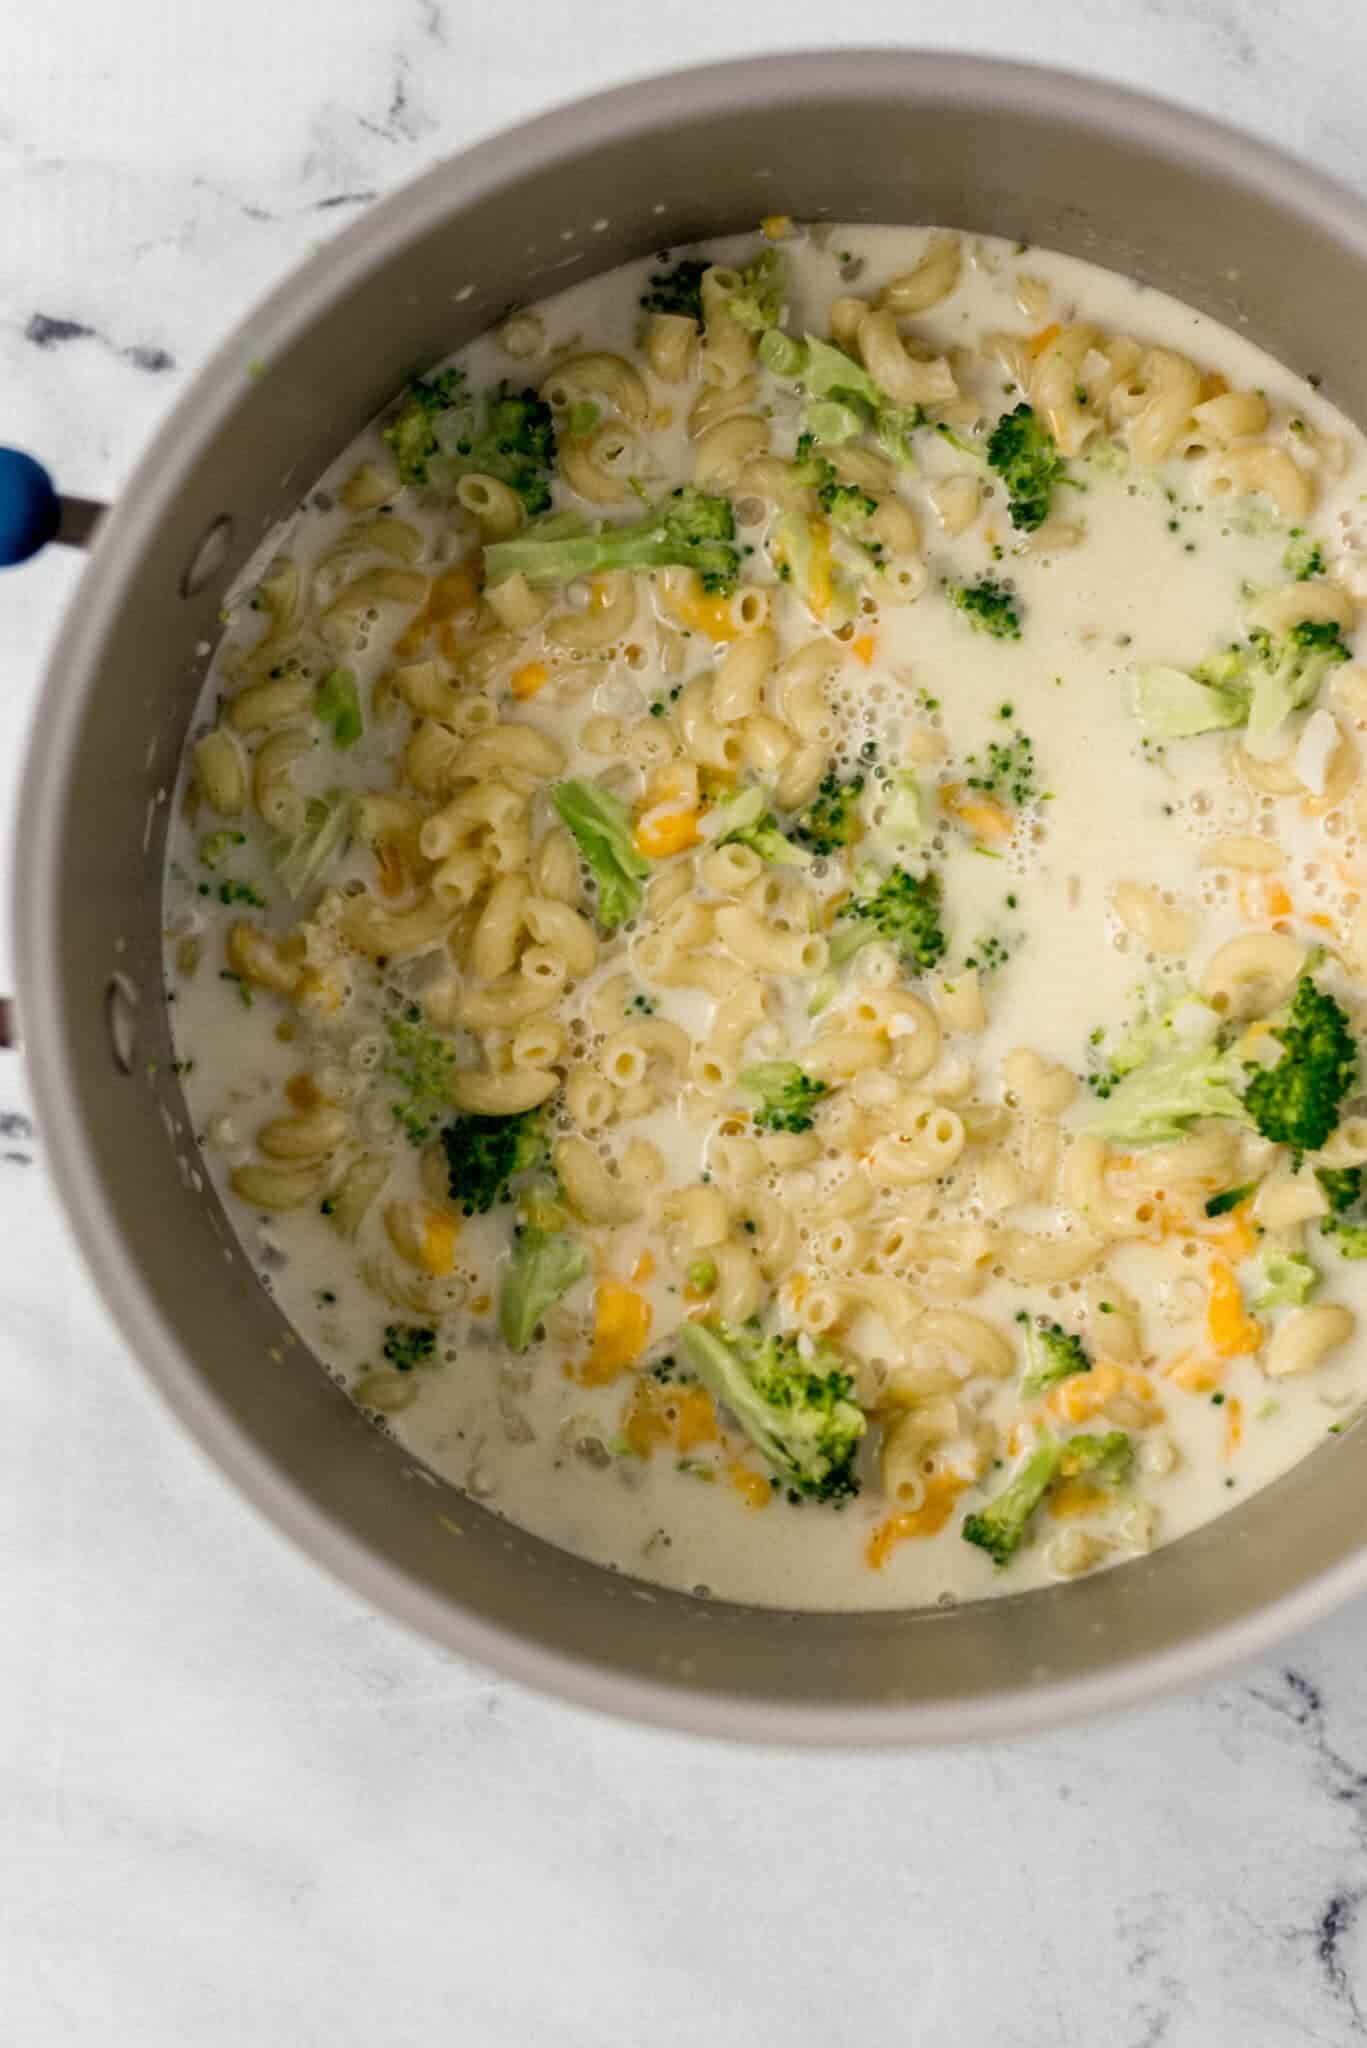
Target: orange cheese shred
(621, 1327)
(752, 1487)
(1234, 1425)
(1194, 1374)
(931, 1516)
(1230, 1329)
(661, 833)
(525, 681)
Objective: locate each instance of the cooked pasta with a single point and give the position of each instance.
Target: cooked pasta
(720, 983)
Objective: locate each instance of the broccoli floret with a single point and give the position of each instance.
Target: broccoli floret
(419, 1062)
(1296, 1102)
(483, 1153)
(1288, 1280)
(831, 820)
(1025, 456)
(1220, 1205)
(785, 1095)
(1167, 1022)
(765, 839)
(513, 441)
(412, 434)
(601, 825)
(338, 705)
(1172, 705)
(1000, 1526)
(1109, 1458)
(1052, 1354)
(1258, 683)
(543, 1265)
(301, 858)
(1304, 557)
(746, 820)
(822, 369)
(846, 505)
(678, 290)
(791, 1396)
(1156, 1102)
(1342, 1186)
(759, 302)
(1348, 1239)
(408, 1345)
(893, 429)
(903, 909)
(685, 529)
(442, 434)
(1284, 672)
(988, 606)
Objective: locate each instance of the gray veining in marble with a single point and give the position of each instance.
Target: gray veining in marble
(235, 1807)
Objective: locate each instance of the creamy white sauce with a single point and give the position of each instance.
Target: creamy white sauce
(1155, 576)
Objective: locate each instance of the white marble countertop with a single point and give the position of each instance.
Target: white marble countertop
(235, 1806)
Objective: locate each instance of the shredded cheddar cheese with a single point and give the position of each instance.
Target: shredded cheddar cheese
(1194, 1374)
(931, 1516)
(438, 1242)
(525, 681)
(1234, 1425)
(621, 1327)
(1230, 1330)
(692, 607)
(661, 833)
(752, 1487)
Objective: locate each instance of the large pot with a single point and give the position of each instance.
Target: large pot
(1223, 222)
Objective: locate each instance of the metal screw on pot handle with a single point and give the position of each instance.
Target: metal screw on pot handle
(32, 513)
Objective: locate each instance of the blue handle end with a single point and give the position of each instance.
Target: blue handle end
(29, 507)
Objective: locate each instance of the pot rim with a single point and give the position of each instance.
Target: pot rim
(1204, 147)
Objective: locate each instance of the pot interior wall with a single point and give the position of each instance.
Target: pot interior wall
(877, 138)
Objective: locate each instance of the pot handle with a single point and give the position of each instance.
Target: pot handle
(33, 511)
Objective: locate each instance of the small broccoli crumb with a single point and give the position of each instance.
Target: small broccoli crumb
(786, 1097)
(1220, 1205)
(831, 820)
(418, 1062)
(1007, 772)
(408, 1345)
(989, 607)
(678, 290)
(1053, 1354)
